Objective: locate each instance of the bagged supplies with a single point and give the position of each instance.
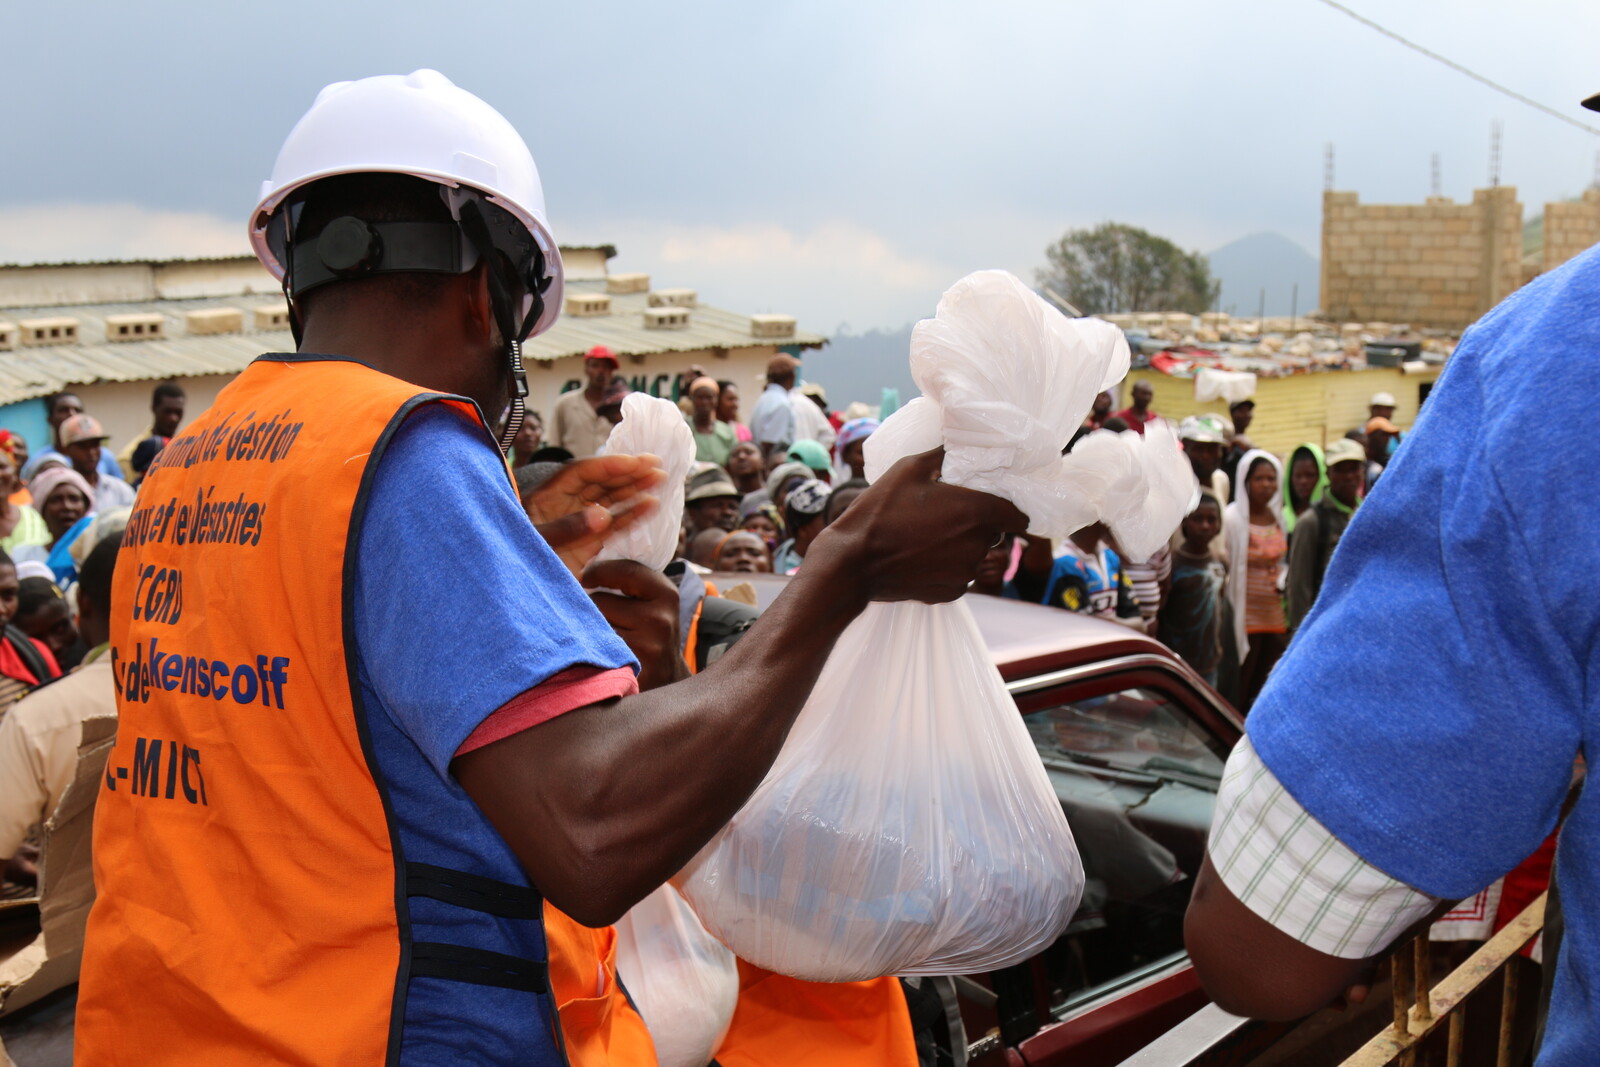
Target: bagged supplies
(651, 424)
(908, 827)
(683, 981)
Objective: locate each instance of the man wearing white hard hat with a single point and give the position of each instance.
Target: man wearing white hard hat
(347, 776)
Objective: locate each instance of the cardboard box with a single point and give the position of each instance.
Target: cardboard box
(33, 967)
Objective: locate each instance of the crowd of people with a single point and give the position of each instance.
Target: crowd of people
(1244, 568)
(758, 494)
(1226, 594)
(65, 507)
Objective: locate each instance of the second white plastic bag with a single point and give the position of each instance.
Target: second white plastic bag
(655, 426)
(684, 982)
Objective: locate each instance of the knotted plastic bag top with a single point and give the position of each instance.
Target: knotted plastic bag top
(651, 424)
(1006, 381)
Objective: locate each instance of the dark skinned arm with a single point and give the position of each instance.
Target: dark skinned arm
(603, 804)
(1249, 967)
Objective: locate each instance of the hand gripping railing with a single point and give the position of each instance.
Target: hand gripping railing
(1419, 1011)
(1213, 1036)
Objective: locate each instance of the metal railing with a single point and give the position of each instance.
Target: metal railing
(1419, 1011)
(1212, 1036)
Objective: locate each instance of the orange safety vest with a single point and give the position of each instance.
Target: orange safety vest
(788, 1022)
(253, 900)
(599, 1024)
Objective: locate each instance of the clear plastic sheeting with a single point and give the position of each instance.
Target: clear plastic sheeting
(908, 826)
(683, 981)
(655, 426)
(1229, 385)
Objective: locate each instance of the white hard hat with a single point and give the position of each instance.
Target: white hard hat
(1381, 400)
(419, 124)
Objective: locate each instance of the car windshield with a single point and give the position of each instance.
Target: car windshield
(1137, 778)
(1135, 730)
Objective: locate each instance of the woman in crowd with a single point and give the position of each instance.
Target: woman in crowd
(1307, 481)
(749, 474)
(1255, 534)
(529, 439)
(67, 504)
(743, 552)
(20, 524)
(25, 663)
(851, 447)
(764, 520)
(728, 412)
(803, 516)
(713, 439)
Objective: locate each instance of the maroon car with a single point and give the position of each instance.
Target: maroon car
(1134, 743)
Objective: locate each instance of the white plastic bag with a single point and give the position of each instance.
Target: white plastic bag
(651, 424)
(683, 981)
(907, 826)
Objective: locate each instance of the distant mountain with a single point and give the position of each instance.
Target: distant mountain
(858, 366)
(1267, 261)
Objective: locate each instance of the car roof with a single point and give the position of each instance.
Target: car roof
(1023, 638)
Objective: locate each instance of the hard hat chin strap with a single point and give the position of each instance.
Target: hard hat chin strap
(503, 302)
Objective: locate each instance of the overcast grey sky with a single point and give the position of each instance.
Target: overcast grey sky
(842, 161)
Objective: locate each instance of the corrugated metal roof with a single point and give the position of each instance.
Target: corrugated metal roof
(610, 251)
(27, 373)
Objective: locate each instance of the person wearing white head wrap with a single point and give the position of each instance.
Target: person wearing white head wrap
(1258, 551)
(66, 501)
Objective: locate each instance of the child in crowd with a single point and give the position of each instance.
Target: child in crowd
(44, 615)
(1088, 577)
(1190, 620)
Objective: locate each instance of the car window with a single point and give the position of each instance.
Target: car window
(1137, 777)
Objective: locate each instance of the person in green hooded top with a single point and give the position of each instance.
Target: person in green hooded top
(1321, 526)
(1308, 479)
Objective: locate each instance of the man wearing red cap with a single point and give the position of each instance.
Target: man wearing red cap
(577, 425)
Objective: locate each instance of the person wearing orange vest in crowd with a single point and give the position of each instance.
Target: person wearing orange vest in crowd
(369, 719)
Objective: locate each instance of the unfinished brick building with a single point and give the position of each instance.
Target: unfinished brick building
(1439, 263)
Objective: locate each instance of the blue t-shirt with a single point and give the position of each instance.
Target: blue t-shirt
(1091, 584)
(459, 606)
(1429, 709)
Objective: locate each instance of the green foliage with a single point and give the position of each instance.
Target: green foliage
(1114, 267)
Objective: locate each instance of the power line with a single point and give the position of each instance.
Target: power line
(1453, 65)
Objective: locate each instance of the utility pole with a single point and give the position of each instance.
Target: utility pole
(1438, 186)
(1494, 155)
(1294, 309)
(1261, 313)
(1327, 167)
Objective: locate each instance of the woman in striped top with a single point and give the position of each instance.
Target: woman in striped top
(1257, 552)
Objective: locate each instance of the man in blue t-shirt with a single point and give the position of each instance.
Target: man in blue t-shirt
(1418, 739)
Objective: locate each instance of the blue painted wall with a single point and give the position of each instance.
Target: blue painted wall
(28, 418)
